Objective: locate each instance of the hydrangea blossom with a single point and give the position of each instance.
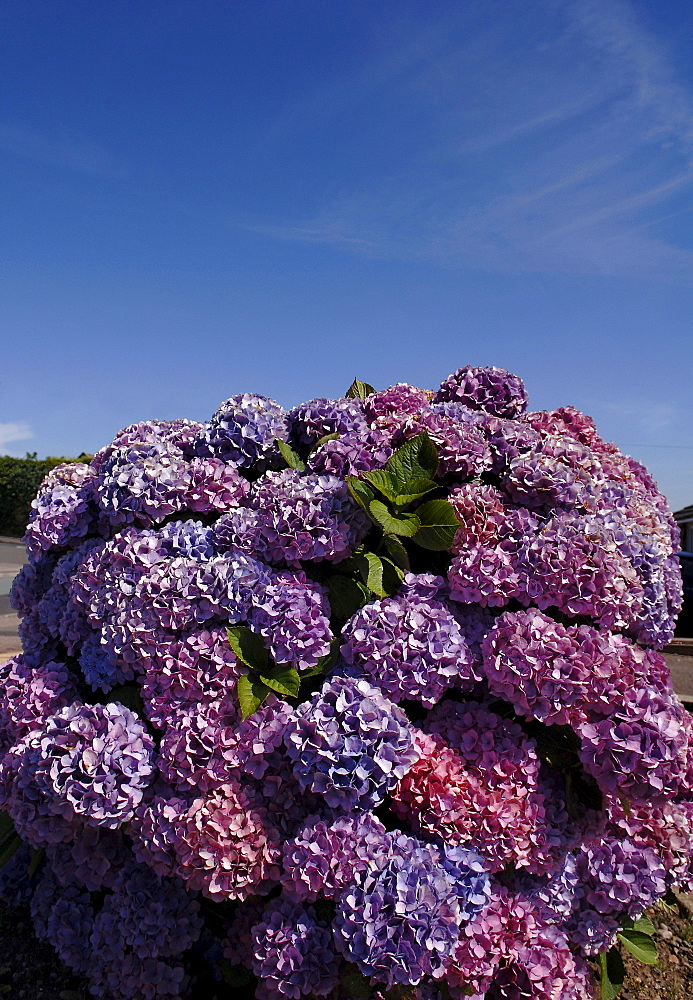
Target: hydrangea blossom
(456, 780)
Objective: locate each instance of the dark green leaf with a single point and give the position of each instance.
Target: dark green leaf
(346, 596)
(439, 525)
(372, 573)
(128, 695)
(359, 390)
(285, 681)
(670, 900)
(9, 849)
(35, 862)
(292, 459)
(416, 459)
(251, 694)
(640, 945)
(6, 826)
(413, 489)
(611, 973)
(407, 524)
(326, 662)
(392, 576)
(361, 492)
(249, 647)
(355, 984)
(383, 482)
(234, 975)
(397, 551)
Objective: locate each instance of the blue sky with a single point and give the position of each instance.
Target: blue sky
(199, 199)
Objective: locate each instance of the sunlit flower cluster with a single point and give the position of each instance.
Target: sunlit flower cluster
(268, 727)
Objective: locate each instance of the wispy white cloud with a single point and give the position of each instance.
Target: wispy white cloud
(13, 431)
(568, 148)
(60, 149)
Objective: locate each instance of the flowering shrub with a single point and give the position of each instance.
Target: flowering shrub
(362, 699)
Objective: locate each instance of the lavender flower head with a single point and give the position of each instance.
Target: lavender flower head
(350, 744)
(494, 390)
(244, 431)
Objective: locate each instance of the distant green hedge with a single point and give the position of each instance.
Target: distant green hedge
(20, 479)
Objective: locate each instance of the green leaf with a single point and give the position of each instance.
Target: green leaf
(383, 482)
(392, 576)
(128, 695)
(35, 862)
(670, 900)
(359, 390)
(439, 525)
(645, 925)
(251, 694)
(346, 596)
(416, 459)
(372, 573)
(361, 492)
(413, 489)
(407, 524)
(234, 975)
(6, 826)
(249, 647)
(612, 973)
(9, 849)
(292, 459)
(397, 551)
(640, 945)
(285, 681)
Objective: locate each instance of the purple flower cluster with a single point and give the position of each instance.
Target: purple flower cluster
(452, 773)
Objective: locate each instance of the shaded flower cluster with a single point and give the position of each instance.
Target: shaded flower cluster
(255, 734)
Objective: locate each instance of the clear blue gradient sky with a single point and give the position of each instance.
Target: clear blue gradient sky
(205, 198)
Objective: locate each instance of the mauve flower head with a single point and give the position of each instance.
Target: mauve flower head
(156, 917)
(244, 430)
(389, 408)
(175, 435)
(260, 735)
(350, 744)
(290, 518)
(327, 854)
(155, 829)
(618, 876)
(510, 949)
(64, 916)
(188, 670)
(197, 749)
(411, 647)
(293, 953)
(92, 860)
(95, 760)
(494, 390)
(29, 695)
(225, 846)
(401, 920)
(351, 455)
(293, 615)
(63, 511)
(641, 748)
(461, 446)
(502, 815)
(31, 583)
(311, 421)
(147, 483)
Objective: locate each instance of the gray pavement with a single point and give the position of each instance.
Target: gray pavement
(12, 558)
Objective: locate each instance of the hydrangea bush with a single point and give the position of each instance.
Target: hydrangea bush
(362, 699)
